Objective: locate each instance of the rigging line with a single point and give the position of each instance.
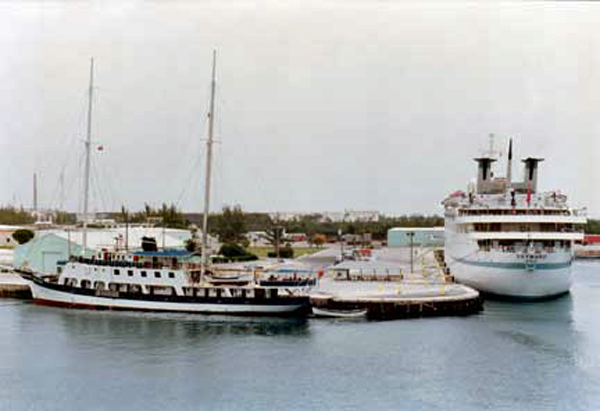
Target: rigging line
(107, 179)
(192, 144)
(68, 141)
(105, 185)
(190, 179)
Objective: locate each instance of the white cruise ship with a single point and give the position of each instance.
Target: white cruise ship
(504, 238)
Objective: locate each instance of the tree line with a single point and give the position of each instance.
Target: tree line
(232, 223)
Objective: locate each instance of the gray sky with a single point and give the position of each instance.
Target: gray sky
(321, 105)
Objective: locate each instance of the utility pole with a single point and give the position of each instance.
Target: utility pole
(341, 240)
(411, 235)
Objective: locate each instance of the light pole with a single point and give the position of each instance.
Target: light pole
(411, 235)
(341, 240)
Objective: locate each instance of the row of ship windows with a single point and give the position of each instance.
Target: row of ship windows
(157, 274)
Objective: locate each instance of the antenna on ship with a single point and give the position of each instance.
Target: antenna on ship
(88, 145)
(209, 146)
(492, 152)
(509, 166)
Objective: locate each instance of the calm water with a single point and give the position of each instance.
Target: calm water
(513, 356)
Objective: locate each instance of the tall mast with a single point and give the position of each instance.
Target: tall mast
(88, 146)
(209, 146)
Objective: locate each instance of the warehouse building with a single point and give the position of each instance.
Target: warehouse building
(50, 246)
(423, 236)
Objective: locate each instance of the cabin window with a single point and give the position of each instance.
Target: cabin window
(171, 275)
(163, 290)
(130, 273)
(143, 274)
(134, 288)
(116, 272)
(235, 292)
(213, 292)
(272, 293)
(157, 274)
(249, 293)
(99, 285)
(113, 287)
(201, 292)
(86, 284)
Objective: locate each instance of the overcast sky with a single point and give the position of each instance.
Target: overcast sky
(321, 105)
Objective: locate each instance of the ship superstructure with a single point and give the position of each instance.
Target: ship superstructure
(505, 238)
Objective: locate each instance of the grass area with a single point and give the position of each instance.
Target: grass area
(261, 252)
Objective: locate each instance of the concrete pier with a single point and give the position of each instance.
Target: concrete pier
(13, 286)
(388, 288)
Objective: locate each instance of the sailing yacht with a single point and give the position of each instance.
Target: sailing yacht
(163, 280)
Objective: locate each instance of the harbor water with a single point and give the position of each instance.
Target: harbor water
(512, 356)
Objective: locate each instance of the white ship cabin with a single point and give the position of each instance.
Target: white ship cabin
(164, 272)
(507, 216)
(168, 273)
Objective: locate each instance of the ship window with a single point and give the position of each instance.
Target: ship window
(71, 282)
(99, 285)
(143, 274)
(163, 290)
(116, 272)
(171, 275)
(86, 284)
(130, 273)
(157, 274)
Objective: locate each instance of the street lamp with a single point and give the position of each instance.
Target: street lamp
(411, 235)
(341, 240)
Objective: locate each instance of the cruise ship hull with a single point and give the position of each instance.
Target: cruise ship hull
(514, 280)
(45, 294)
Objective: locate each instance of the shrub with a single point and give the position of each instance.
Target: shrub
(22, 236)
(232, 250)
(285, 252)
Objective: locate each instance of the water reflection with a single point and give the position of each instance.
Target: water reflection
(165, 327)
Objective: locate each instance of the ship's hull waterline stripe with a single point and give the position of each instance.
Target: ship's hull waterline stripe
(514, 266)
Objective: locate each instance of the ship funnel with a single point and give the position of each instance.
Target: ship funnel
(531, 173)
(484, 174)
